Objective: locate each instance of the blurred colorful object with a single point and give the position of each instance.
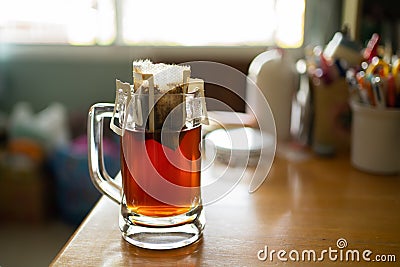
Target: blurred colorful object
(75, 193)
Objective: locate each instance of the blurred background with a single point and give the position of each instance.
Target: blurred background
(59, 57)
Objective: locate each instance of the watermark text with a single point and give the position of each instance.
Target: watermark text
(338, 253)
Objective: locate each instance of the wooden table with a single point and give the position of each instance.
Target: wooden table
(303, 206)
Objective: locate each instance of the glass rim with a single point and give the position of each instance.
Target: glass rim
(196, 93)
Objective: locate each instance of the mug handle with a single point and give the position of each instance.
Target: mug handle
(98, 173)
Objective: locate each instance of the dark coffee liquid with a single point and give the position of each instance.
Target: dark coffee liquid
(147, 165)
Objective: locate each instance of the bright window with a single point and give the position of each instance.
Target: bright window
(155, 22)
(83, 22)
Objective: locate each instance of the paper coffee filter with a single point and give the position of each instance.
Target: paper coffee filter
(165, 76)
(158, 98)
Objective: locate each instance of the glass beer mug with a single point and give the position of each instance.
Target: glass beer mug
(158, 188)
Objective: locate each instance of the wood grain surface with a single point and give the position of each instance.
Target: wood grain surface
(304, 205)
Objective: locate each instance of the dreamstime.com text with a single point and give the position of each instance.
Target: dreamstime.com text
(338, 253)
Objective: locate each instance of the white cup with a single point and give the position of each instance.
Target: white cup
(375, 142)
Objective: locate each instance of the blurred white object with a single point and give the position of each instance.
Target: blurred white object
(49, 126)
(274, 74)
(341, 47)
(238, 146)
(375, 143)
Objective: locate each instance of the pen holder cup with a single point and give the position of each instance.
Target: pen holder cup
(375, 143)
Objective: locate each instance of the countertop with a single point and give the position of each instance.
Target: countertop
(313, 205)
